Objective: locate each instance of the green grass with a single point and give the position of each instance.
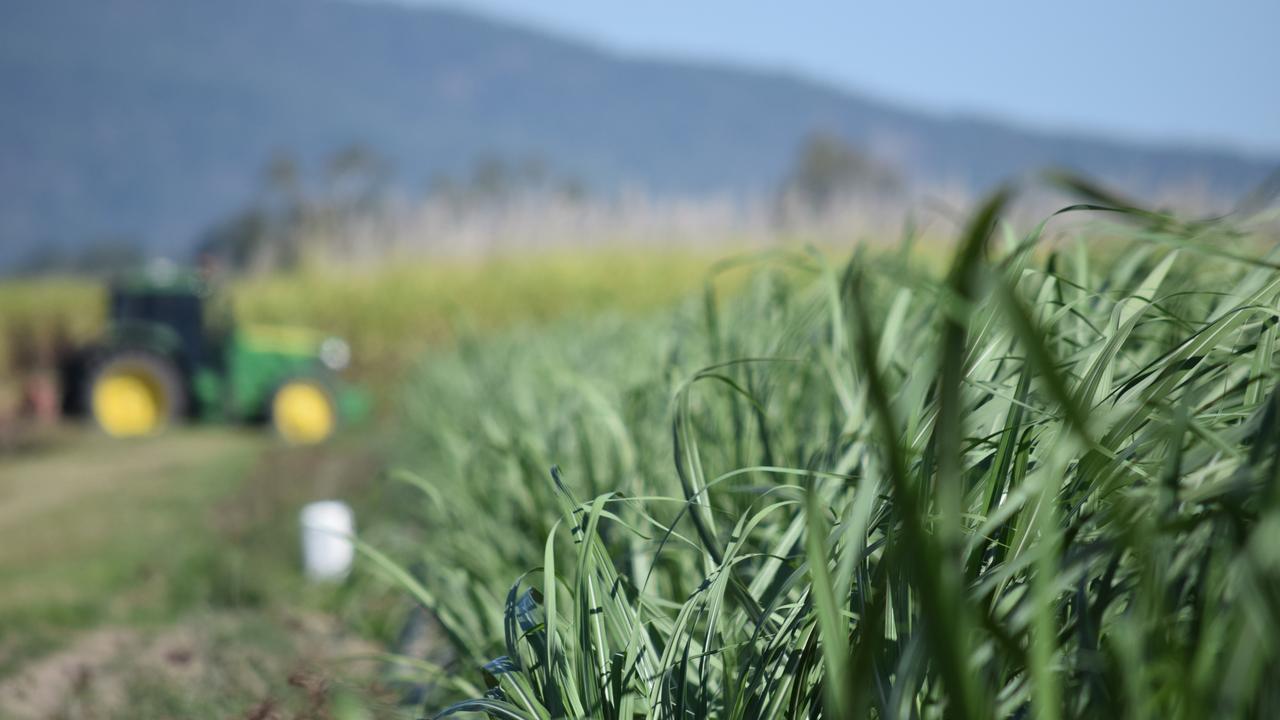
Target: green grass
(392, 314)
(82, 526)
(160, 578)
(1047, 484)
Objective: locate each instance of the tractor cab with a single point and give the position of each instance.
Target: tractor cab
(166, 308)
(172, 351)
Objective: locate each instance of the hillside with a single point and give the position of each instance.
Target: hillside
(154, 117)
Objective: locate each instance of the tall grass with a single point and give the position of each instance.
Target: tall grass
(393, 312)
(1046, 484)
(390, 312)
(36, 315)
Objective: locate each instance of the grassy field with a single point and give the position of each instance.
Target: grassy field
(1039, 482)
(393, 314)
(65, 559)
(114, 550)
(159, 578)
(1043, 484)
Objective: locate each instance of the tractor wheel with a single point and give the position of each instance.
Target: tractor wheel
(135, 393)
(303, 412)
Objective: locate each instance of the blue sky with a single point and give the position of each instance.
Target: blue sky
(1205, 73)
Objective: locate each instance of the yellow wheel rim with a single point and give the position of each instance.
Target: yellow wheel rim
(129, 402)
(302, 413)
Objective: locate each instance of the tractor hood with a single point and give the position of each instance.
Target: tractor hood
(333, 352)
(281, 339)
(264, 355)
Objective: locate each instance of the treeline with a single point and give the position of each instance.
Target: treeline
(350, 207)
(300, 214)
(351, 204)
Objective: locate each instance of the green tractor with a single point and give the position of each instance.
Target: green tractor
(171, 352)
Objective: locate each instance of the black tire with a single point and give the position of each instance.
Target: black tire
(161, 372)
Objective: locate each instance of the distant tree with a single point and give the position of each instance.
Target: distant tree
(239, 242)
(492, 179)
(295, 216)
(573, 190)
(828, 169)
(356, 178)
(282, 177)
(497, 179)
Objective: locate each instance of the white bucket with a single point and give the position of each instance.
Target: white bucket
(327, 550)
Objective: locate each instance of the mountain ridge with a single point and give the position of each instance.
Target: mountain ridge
(154, 118)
